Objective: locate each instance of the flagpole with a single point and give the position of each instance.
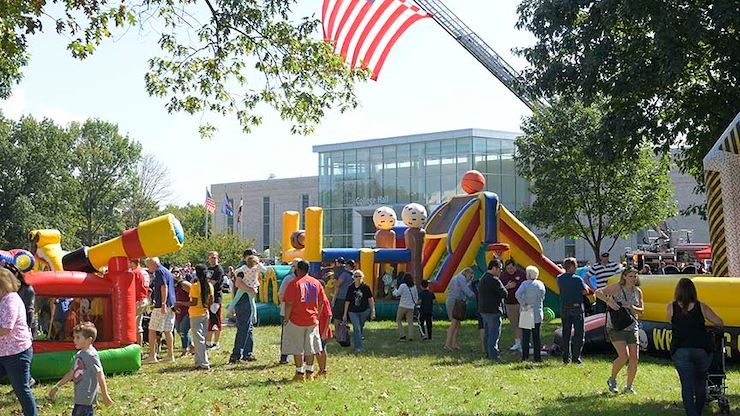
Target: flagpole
(206, 223)
(241, 212)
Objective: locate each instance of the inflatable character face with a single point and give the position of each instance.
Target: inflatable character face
(384, 218)
(414, 215)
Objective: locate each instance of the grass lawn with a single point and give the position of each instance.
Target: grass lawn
(390, 378)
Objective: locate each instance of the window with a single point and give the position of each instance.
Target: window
(265, 222)
(304, 205)
(570, 247)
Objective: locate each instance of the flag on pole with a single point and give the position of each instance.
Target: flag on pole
(210, 203)
(364, 31)
(239, 211)
(227, 209)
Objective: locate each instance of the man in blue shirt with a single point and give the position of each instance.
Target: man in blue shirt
(572, 289)
(163, 316)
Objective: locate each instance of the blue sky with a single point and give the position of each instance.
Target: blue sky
(429, 83)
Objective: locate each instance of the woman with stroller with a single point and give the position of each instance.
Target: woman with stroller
(691, 347)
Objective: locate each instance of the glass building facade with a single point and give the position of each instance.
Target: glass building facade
(357, 177)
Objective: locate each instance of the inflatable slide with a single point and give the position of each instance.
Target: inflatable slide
(460, 231)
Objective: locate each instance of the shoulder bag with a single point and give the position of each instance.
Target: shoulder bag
(621, 318)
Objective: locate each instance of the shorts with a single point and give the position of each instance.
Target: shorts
(162, 322)
(337, 310)
(140, 310)
(628, 337)
(214, 320)
(300, 340)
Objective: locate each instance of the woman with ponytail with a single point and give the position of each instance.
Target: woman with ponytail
(201, 298)
(691, 346)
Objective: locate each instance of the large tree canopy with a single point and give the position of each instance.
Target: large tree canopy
(225, 57)
(582, 190)
(668, 68)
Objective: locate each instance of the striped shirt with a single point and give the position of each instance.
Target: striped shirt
(603, 273)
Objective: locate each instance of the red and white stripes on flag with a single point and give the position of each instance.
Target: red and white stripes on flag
(210, 203)
(364, 31)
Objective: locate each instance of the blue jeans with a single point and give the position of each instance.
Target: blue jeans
(572, 319)
(18, 369)
(692, 365)
(183, 328)
(244, 341)
(358, 320)
(492, 333)
(84, 409)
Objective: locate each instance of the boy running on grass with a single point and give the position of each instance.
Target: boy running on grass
(87, 373)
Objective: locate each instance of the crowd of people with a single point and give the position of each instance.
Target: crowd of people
(189, 300)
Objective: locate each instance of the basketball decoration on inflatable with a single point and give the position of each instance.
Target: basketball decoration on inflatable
(298, 239)
(473, 182)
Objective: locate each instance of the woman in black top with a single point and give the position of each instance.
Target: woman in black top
(691, 347)
(359, 304)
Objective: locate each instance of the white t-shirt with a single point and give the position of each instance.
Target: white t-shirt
(408, 296)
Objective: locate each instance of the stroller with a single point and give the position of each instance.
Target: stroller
(716, 388)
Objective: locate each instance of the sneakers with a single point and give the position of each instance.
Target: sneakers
(612, 385)
(310, 375)
(628, 390)
(213, 346)
(233, 361)
(249, 357)
(322, 373)
(170, 359)
(299, 376)
(283, 362)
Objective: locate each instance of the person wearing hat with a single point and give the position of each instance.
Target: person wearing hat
(281, 296)
(343, 277)
(601, 272)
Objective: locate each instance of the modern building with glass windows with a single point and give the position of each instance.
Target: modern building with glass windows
(357, 177)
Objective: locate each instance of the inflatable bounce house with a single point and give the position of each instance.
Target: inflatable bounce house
(96, 284)
(722, 293)
(467, 230)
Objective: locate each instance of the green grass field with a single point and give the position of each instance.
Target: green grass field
(390, 378)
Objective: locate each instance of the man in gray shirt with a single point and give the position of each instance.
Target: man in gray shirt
(281, 293)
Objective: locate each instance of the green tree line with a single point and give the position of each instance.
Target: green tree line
(90, 182)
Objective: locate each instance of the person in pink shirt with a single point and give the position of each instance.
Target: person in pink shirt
(15, 342)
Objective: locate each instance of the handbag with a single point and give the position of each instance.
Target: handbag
(417, 307)
(342, 334)
(621, 318)
(459, 310)
(526, 318)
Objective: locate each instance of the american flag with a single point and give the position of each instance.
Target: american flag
(210, 202)
(364, 31)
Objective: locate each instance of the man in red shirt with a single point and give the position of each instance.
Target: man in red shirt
(141, 283)
(304, 301)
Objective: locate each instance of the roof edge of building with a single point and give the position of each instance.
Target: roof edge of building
(419, 137)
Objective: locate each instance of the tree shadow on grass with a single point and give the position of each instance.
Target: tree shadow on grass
(590, 405)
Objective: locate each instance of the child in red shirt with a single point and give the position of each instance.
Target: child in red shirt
(326, 335)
